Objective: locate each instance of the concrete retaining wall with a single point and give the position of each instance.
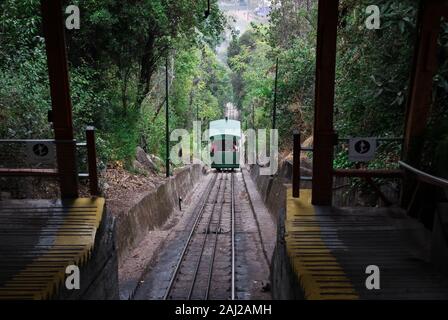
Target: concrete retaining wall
(270, 188)
(273, 191)
(154, 209)
(284, 281)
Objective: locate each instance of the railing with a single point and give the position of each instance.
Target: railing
(296, 177)
(422, 177)
(425, 177)
(28, 171)
(404, 171)
(366, 174)
(91, 159)
(92, 174)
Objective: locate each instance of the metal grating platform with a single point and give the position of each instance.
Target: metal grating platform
(39, 239)
(330, 248)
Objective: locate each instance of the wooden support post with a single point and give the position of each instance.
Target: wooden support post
(91, 157)
(53, 26)
(296, 164)
(424, 68)
(324, 136)
(420, 93)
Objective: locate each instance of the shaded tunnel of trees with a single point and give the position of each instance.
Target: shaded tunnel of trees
(117, 74)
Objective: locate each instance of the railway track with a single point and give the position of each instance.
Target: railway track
(205, 268)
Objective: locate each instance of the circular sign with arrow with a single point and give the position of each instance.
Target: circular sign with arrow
(362, 149)
(362, 146)
(40, 152)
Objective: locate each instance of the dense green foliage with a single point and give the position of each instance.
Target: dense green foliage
(372, 66)
(248, 58)
(117, 71)
(372, 73)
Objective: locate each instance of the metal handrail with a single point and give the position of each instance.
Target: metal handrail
(36, 140)
(377, 139)
(425, 177)
(92, 173)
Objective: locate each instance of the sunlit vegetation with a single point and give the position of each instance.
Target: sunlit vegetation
(117, 71)
(373, 70)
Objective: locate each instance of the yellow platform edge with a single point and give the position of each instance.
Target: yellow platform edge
(19, 286)
(337, 285)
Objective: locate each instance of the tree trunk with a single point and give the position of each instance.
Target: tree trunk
(124, 89)
(147, 68)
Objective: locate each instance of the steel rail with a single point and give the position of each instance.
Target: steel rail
(254, 215)
(204, 241)
(212, 262)
(190, 236)
(233, 236)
